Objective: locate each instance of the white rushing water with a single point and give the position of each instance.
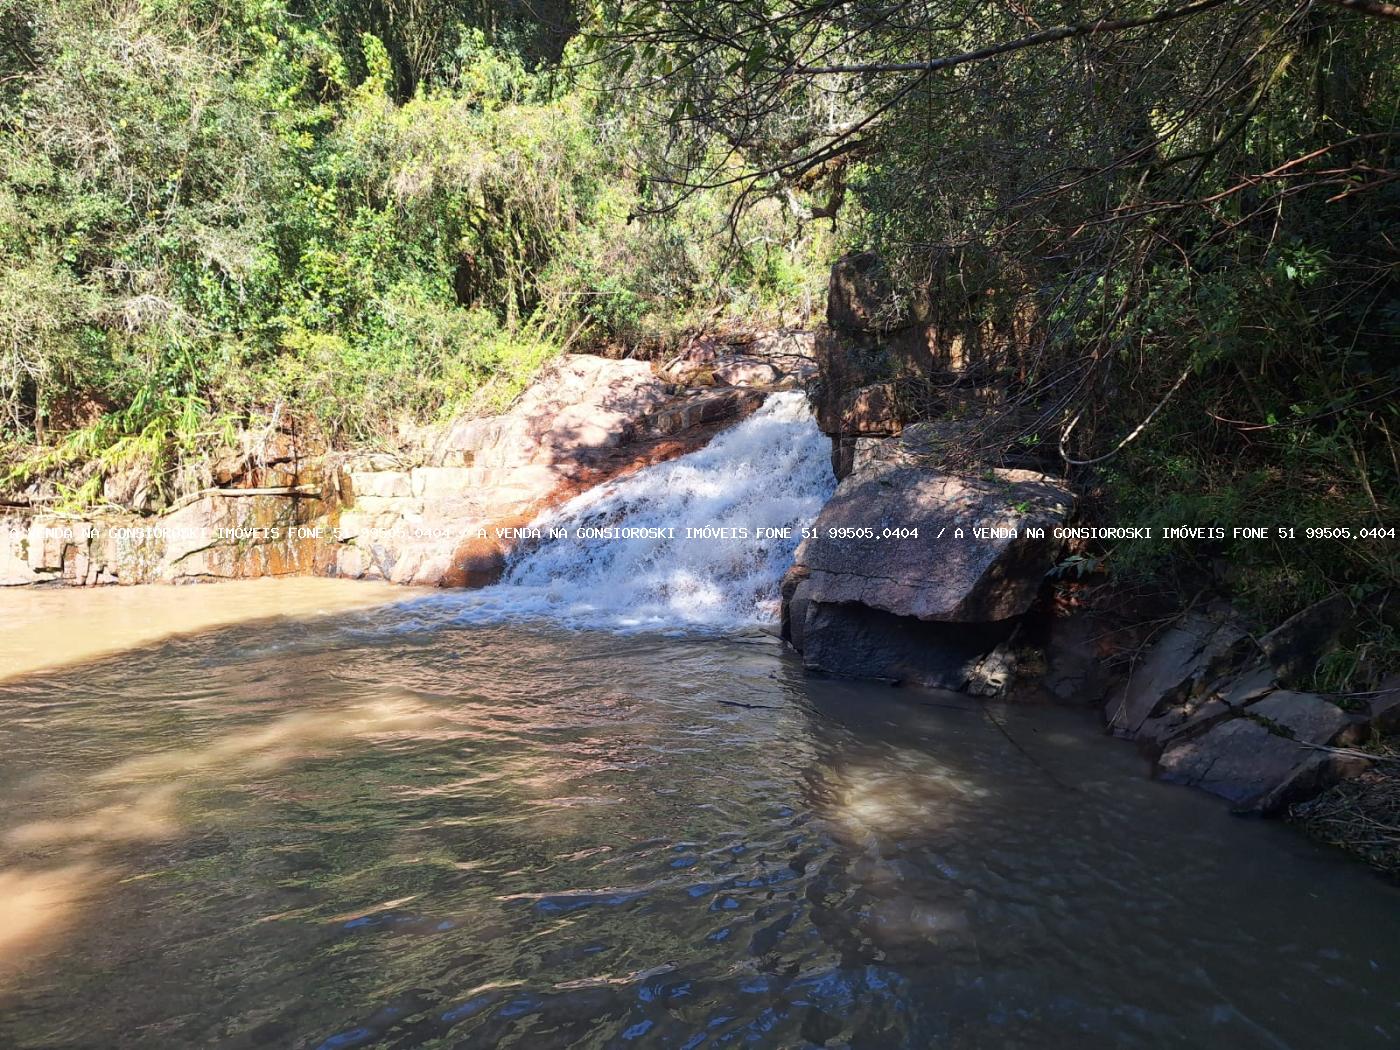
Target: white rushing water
(770, 472)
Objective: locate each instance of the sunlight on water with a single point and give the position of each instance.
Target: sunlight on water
(53, 626)
(323, 834)
(36, 905)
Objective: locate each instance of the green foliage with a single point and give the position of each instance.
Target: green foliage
(1167, 239)
(372, 215)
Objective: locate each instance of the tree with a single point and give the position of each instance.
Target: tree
(1190, 200)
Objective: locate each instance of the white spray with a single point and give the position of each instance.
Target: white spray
(768, 474)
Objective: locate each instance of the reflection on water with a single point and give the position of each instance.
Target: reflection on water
(48, 627)
(35, 906)
(383, 829)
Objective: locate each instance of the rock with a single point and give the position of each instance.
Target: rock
(927, 608)
(746, 372)
(1196, 709)
(844, 367)
(1192, 716)
(696, 361)
(434, 483)
(870, 411)
(1246, 687)
(1296, 645)
(15, 570)
(584, 420)
(796, 622)
(936, 575)
(1305, 717)
(475, 563)
(386, 484)
(994, 673)
(843, 456)
(791, 351)
(1182, 662)
(45, 543)
(1240, 760)
(859, 296)
(1383, 709)
(787, 593)
(877, 386)
(129, 487)
(582, 427)
(579, 403)
(857, 641)
(706, 406)
(1260, 759)
(1074, 672)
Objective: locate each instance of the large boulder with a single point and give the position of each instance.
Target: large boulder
(919, 542)
(915, 575)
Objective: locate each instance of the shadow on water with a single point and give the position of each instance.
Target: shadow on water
(384, 829)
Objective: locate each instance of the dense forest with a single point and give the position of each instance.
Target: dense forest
(356, 214)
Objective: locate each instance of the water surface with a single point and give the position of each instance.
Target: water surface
(391, 828)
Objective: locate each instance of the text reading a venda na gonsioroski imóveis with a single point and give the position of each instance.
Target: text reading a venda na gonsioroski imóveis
(971, 530)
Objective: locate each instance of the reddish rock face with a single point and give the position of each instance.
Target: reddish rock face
(584, 421)
(420, 520)
(476, 562)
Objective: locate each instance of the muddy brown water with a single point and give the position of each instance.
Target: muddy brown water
(327, 816)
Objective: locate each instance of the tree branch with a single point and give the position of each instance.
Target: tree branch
(1046, 36)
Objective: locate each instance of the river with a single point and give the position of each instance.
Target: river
(311, 814)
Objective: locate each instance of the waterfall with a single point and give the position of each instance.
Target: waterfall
(770, 472)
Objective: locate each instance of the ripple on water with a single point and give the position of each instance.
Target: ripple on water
(515, 837)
